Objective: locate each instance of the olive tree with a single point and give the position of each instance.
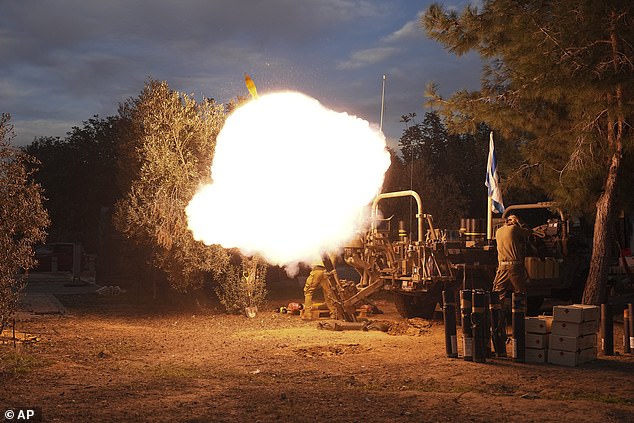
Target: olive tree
(167, 156)
(23, 220)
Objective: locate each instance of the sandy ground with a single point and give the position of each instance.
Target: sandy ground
(110, 359)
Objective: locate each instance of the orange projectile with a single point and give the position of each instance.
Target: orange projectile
(251, 86)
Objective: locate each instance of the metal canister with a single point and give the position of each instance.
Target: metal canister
(630, 309)
(518, 312)
(449, 316)
(607, 330)
(465, 316)
(627, 346)
(487, 324)
(478, 325)
(498, 326)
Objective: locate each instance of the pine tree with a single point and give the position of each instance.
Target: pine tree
(558, 80)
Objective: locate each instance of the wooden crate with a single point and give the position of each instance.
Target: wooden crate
(575, 329)
(576, 313)
(572, 358)
(539, 324)
(572, 343)
(536, 355)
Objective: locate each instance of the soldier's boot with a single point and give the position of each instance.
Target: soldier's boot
(307, 313)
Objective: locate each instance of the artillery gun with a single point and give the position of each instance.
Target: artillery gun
(415, 270)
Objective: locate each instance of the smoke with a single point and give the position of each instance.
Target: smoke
(291, 179)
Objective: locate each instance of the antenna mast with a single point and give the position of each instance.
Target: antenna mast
(382, 102)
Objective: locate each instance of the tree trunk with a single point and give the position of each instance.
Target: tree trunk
(595, 289)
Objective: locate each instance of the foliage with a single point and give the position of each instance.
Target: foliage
(557, 83)
(446, 169)
(166, 156)
(23, 219)
(550, 100)
(243, 285)
(76, 174)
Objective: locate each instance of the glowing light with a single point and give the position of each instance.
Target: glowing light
(251, 86)
(291, 179)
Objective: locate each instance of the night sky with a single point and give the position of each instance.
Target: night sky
(64, 61)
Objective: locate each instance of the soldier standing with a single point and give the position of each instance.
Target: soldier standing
(511, 275)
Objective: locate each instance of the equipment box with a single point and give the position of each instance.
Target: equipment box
(572, 358)
(534, 267)
(536, 340)
(540, 324)
(536, 355)
(572, 343)
(575, 329)
(576, 313)
(551, 268)
(541, 269)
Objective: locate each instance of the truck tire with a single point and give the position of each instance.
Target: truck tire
(410, 306)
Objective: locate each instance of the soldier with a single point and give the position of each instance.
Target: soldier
(317, 278)
(512, 240)
(511, 276)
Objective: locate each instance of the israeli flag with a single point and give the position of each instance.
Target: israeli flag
(492, 180)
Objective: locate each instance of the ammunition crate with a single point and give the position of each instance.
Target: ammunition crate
(540, 324)
(572, 343)
(576, 313)
(572, 358)
(536, 355)
(537, 340)
(575, 329)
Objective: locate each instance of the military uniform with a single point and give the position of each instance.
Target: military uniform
(511, 275)
(317, 279)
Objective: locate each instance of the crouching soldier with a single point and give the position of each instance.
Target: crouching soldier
(318, 278)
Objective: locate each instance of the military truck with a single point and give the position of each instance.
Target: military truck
(557, 260)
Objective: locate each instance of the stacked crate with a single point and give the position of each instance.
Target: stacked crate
(573, 338)
(537, 332)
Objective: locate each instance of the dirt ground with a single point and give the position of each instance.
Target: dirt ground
(109, 359)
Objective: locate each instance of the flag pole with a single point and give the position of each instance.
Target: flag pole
(494, 196)
(489, 218)
(489, 208)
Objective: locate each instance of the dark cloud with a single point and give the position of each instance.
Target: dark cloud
(66, 60)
